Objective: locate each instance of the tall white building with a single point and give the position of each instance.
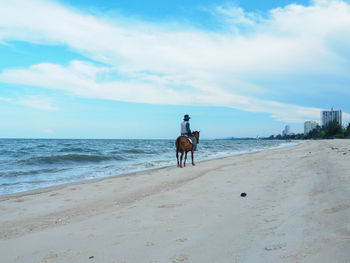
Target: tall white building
(309, 126)
(329, 116)
(286, 130)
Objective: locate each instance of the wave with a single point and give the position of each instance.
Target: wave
(134, 151)
(140, 151)
(149, 164)
(13, 153)
(80, 158)
(77, 149)
(22, 183)
(30, 172)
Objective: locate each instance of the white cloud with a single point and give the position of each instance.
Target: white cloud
(37, 102)
(182, 66)
(237, 16)
(5, 99)
(80, 78)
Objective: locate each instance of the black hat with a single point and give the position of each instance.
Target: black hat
(186, 117)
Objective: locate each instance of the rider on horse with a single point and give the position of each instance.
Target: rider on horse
(185, 130)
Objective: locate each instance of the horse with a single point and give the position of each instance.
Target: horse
(183, 145)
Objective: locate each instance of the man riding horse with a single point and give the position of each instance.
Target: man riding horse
(186, 130)
(187, 142)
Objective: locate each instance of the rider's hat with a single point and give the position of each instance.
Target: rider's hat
(186, 117)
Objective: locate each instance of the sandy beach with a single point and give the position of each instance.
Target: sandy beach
(297, 209)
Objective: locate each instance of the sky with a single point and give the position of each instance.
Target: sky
(132, 69)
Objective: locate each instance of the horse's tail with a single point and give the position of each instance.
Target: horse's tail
(177, 143)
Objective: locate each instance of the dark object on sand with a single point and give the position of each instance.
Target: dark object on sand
(243, 194)
(91, 257)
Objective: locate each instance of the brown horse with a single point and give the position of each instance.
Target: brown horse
(183, 145)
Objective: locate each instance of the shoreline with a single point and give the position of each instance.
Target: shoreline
(296, 210)
(132, 173)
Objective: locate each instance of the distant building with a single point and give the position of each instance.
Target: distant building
(309, 126)
(329, 116)
(286, 130)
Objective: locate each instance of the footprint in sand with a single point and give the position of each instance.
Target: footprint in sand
(335, 209)
(19, 200)
(181, 258)
(181, 240)
(275, 246)
(268, 220)
(271, 229)
(272, 233)
(170, 206)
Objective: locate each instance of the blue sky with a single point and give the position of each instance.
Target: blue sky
(132, 69)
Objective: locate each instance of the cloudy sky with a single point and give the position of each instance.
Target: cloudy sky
(132, 69)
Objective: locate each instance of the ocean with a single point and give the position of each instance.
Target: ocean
(28, 164)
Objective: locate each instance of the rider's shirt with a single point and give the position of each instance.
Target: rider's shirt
(185, 128)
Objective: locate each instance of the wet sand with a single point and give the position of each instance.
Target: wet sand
(297, 209)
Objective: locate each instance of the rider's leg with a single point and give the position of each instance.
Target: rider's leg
(194, 142)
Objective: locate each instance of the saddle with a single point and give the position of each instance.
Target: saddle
(188, 138)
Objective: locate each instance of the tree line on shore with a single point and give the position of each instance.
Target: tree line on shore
(332, 130)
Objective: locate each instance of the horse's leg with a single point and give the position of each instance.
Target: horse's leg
(192, 158)
(182, 154)
(177, 158)
(185, 159)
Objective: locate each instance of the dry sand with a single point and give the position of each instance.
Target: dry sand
(297, 209)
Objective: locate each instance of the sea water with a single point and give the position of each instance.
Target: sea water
(27, 164)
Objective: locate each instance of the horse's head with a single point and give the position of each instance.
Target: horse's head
(196, 135)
